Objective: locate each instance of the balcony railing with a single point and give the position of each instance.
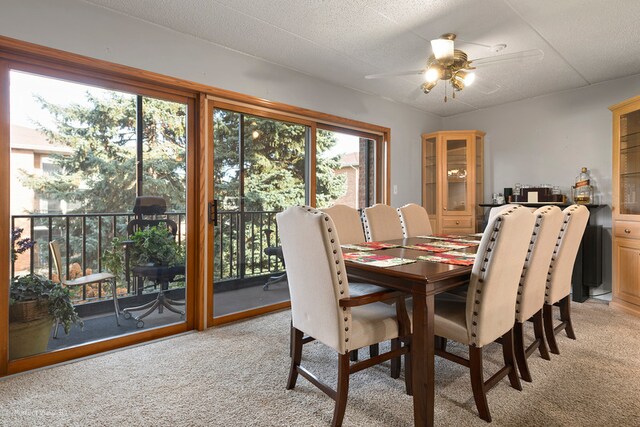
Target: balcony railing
(239, 243)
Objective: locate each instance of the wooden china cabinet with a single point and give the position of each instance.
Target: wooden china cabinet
(452, 180)
(626, 205)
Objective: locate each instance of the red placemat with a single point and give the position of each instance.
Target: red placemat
(448, 259)
(376, 259)
(370, 246)
(430, 248)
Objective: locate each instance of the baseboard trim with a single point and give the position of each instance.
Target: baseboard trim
(625, 306)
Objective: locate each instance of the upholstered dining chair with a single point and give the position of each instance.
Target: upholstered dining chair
(348, 225)
(414, 220)
(489, 310)
(89, 279)
(495, 211)
(321, 305)
(531, 290)
(381, 222)
(558, 287)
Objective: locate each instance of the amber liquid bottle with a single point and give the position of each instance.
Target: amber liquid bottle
(582, 191)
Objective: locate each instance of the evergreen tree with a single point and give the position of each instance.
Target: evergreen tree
(99, 175)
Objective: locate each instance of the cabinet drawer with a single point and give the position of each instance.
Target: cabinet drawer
(627, 229)
(457, 222)
(460, 231)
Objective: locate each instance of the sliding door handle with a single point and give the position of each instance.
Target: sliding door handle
(213, 212)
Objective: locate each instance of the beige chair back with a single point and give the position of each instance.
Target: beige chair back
(536, 265)
(347, 222)
(381, 222)
(54, 247)
(575, 221)
(414, 220)
(495, 211)
(491, 299)
(316, 275)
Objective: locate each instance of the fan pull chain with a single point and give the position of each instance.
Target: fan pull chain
(445, 93)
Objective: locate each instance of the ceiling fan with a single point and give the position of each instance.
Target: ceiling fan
(452, 65)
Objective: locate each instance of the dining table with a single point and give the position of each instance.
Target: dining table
(422, 280)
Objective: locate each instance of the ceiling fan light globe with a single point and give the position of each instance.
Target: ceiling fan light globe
(463, 79)
(433, 73)
(426, 87)
(442, 49)
(457, 84)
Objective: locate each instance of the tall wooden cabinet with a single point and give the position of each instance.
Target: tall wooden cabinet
(626, 205)
(452, 180)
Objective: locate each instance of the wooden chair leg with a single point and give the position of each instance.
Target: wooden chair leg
(520, 351)
(565, 316)
(538, 331)
(509, 360)
(477, 382)
(395, 362)
(374, 350)
(354, 355)
(547, 314)
(441, 343)
(296, 356)
(407, 372)
(342, 391)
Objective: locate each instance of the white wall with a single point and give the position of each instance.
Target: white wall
(546, 140)
(78, 27)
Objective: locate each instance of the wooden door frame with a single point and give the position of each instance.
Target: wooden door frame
(47, 62)
(83, 69)
(287, 114)
(5, 215)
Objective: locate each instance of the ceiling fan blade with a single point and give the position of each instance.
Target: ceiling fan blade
(395, 74)
(525, 55)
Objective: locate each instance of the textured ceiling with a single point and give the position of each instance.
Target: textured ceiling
(341, 41)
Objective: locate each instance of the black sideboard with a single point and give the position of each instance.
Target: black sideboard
(587, 271)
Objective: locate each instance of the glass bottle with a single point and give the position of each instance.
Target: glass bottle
(583, 191)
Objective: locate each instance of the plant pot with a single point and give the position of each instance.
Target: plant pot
(28, 311)
(29, 338)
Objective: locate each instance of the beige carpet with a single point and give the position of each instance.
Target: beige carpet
(235, 376)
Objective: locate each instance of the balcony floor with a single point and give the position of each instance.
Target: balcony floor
(104, 326)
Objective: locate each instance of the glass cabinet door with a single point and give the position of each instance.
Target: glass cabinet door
(429, 190)
(455, 196)
(630, 163)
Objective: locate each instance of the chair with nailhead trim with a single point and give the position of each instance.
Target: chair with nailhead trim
(414, 220)
(558, 286)
(350, 231)
(531, 289)
(322, 308)
(381, 222)
(489, 310)
(495, 211)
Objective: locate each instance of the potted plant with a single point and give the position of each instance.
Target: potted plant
(151, 246)
(35, 302)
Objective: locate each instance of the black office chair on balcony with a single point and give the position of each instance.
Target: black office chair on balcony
(277, 252)
(159, 275)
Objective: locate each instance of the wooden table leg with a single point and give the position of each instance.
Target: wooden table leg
(423, 353)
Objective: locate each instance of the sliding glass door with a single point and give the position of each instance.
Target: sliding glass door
(98, 206)
(263, 164)
(260, 168)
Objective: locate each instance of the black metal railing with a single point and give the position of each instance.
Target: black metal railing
(240, 240)
(239, 243)
(83, 239)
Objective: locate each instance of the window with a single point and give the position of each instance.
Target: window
(261, 166)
